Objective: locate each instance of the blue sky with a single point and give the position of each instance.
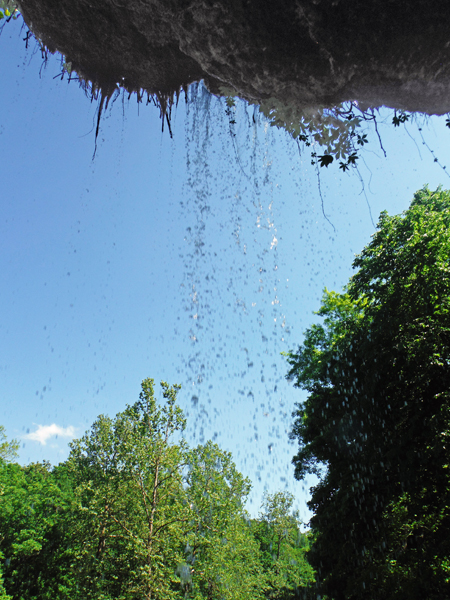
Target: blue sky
(196, 260)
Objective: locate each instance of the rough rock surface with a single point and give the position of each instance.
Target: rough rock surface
(303, 52)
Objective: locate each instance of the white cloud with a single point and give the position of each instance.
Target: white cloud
(44, 432)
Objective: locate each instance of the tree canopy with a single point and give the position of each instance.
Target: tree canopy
(134, 513)
(376, 422)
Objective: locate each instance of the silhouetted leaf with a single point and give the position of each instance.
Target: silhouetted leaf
(325, 160)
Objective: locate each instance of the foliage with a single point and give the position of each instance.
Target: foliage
(8, 9)
(229, 566)
(8, 450)
(335, 129)
(32, 536)
(376, 422)
(222, 554)
(283, 547)
(135, 513)
(3, 594)
(331, 133)
(130, 499)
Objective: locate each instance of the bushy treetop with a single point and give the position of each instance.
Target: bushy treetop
(376, 423)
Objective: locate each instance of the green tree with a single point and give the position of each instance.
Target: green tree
(131, 500)
(230, 565)
(222, 554)
(33, 536)
(156, 519)
(3, 594)
(8, 450)
(376, 422)
(283, 547)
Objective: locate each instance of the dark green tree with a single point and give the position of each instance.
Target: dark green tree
(34, 538)
(376, 422)
(3, 594)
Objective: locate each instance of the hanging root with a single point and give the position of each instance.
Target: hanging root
(165, 104)
(104, 101)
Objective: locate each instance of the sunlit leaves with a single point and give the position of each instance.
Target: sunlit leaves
(217, 535)
(283, 547)
(332, 129)
(131, 498)
(8, 449)
(156, 519)
(8, 9)
(135, 513)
